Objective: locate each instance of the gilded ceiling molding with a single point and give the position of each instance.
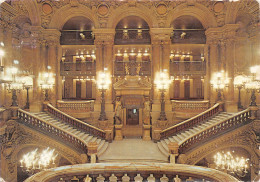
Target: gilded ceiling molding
(202, 13)
(62, 15)
(138, 10)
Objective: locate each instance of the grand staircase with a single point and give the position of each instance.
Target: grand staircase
(195, 130)
(102, 144)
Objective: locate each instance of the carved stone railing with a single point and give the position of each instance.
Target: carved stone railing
(87, 68)
(187, 68)
(240, 118)
(76, 122)
(136, 172)
(132, 37)
(190, 122)
(189, 106)
(49, 128)
(75, 106)
(76, 38)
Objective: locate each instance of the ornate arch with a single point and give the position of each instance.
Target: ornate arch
(124, 11)
(34, 13)
(198, 11)
(67, 12)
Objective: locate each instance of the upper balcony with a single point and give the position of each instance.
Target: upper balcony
(78, 68)
(76, 37)
(188, 37)
(132, 36)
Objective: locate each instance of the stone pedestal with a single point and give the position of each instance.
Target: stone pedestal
(173, 151)
(253, 110)
(109, 134)
(45, 103)
(92, 151)
(146, 132)
(118, 132)
(14, 112)
(156, 134)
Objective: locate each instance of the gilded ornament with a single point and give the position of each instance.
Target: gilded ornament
(103, 9)
(47, 8)
(218, 6)
(161, 9)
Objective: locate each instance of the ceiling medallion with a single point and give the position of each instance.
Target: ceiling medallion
(47, 8)
(103, 9)
(161, 9)
(218, 6)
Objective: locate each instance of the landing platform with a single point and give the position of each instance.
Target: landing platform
(132, 150)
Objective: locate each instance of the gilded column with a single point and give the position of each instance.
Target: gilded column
(104, 42)
(52, 37)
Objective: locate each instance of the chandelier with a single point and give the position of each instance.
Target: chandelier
(36, 161)
(231, 164)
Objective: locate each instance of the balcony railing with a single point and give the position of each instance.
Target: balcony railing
(240, 118)
(189, 37)
(189, 106)
(188, 68)
(132, 37)
(123, 68)
(75, 106)
(76, 38)
(78, 69)
(127, 172)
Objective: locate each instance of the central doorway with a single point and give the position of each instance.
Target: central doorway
(132, 116)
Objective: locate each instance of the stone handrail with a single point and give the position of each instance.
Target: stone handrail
(76, 122)
(239, 118)
(75, 106)
(36, 122)
(183, 105)
(132, 172)
(168, 132)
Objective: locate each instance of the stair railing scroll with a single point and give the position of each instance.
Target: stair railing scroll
(76, 122)
(242, 117)
(168, 132)
(36, 122)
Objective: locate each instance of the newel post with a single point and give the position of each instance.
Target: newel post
(173, 151)
(92, 151)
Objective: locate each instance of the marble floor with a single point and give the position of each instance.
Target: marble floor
(132, 150)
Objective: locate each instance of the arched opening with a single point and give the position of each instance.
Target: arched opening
(187, 63)
(188, 29)
(77, 31)
(132, 30)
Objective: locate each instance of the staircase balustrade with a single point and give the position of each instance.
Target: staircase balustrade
(76, 123)
(75, 106)
(190, 122)
(136, 172)
(236, 120)
(35, 122)
(185, 106)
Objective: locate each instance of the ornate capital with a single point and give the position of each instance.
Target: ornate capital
(104, 36)
(52, 37)
(161, 34)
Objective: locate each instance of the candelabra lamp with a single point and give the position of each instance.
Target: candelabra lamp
(13, 83)
(103, 83)
(27, 84)
(219, 81)
(239, 83)
(253, 84)
(36, 161)
(162, 83)
(46, 82)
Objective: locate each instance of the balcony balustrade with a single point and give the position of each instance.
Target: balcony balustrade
(78, 68)
(77, 38)
(187, 68)
(127, 172)
(123, 68)
(188, 37)
(132, 36)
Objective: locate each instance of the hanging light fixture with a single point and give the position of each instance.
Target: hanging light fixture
(228, 162)
(36, 161)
